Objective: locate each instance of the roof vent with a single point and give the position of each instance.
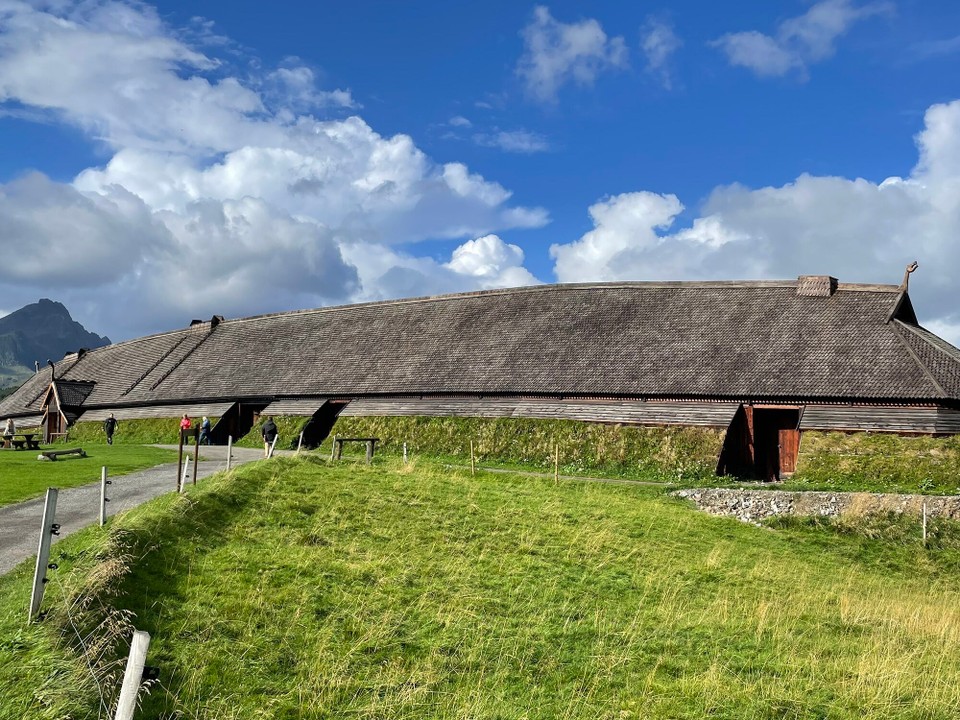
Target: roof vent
(816, 285)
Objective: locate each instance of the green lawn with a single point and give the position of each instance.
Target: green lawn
(22, 476)
(294, 589)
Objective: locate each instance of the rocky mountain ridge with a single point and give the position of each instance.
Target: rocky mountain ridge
(38, 332)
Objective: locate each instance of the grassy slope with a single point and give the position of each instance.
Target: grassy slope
(828, 461)
(296, 590)
(585, 448)
(22, 476)
(884, 463)
(132, 432)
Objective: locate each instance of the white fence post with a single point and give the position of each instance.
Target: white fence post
(103, 495)
(924, 523)
(48, 529)
(300, 443)
(229, 451)
(186, 471)
(404, 453)
(133, 675)
(273, 445)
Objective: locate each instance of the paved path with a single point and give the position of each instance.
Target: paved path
(79, 507)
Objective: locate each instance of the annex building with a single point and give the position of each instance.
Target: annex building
(763, 361)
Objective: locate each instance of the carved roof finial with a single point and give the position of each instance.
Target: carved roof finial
(906, 276)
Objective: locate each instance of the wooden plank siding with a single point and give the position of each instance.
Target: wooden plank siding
(879, 418)
(296, 407)
(626, 412)
(158, 411)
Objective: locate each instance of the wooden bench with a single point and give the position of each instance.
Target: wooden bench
(339, 441)
(54, 454)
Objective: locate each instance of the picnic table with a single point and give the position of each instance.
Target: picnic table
(19, 441)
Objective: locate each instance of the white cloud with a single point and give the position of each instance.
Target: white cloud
(659, 42)
(220, 193)
(459, 121)
(556, 53)
(514, 141)
(54, 234)
(483, 263)
(494, 262)
(852, 229)
(295, 87)
(799, 41)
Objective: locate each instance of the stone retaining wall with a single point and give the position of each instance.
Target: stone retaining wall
(755, 505)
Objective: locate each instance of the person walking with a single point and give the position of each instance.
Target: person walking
(269, 432)
(204, 431)
(110, 426)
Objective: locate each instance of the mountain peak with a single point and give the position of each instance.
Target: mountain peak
(42, 330)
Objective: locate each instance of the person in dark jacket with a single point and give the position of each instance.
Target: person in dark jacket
(269, 432)
(204, 438)
(110, 426)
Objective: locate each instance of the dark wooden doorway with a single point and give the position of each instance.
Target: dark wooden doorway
(762, 442)
(776, 440)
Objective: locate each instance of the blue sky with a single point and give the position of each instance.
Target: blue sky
(175, 160)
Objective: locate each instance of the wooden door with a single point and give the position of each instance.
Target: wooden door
(789, 449)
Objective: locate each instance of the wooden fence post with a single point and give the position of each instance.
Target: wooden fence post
(229, 451)
(333, 448)
(556, 463)
(404, 453)
(133, 675)
(369, 452)
(103, 495)
(48, 528)
(924, 523)
(473, 466)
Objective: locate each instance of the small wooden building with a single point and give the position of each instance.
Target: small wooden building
(763, 360)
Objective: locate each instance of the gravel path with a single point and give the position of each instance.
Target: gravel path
(79, 507)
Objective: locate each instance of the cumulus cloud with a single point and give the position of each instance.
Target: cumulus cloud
(556, 53)
(814, 225)
(483, 263)
(54, 234)
(799, 41)
(226, 194)
(659, 42)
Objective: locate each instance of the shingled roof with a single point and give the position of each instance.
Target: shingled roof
(802, 340)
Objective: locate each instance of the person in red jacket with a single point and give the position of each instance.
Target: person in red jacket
(185, 424)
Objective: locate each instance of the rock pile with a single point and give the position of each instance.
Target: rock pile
(755, 505)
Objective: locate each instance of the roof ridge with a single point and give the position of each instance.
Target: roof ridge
(554, 287)
(953, 353)
(900, 326)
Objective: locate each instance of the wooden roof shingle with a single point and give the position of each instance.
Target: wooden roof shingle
(722, 340)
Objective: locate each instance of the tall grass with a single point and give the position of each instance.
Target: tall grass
(877, 461)
(147, 431)
(293, 589)
(585, 448)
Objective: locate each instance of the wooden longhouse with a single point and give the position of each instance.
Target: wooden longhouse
(762, 360)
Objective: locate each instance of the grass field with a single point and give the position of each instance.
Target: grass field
(22, 476)
(293, 589)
